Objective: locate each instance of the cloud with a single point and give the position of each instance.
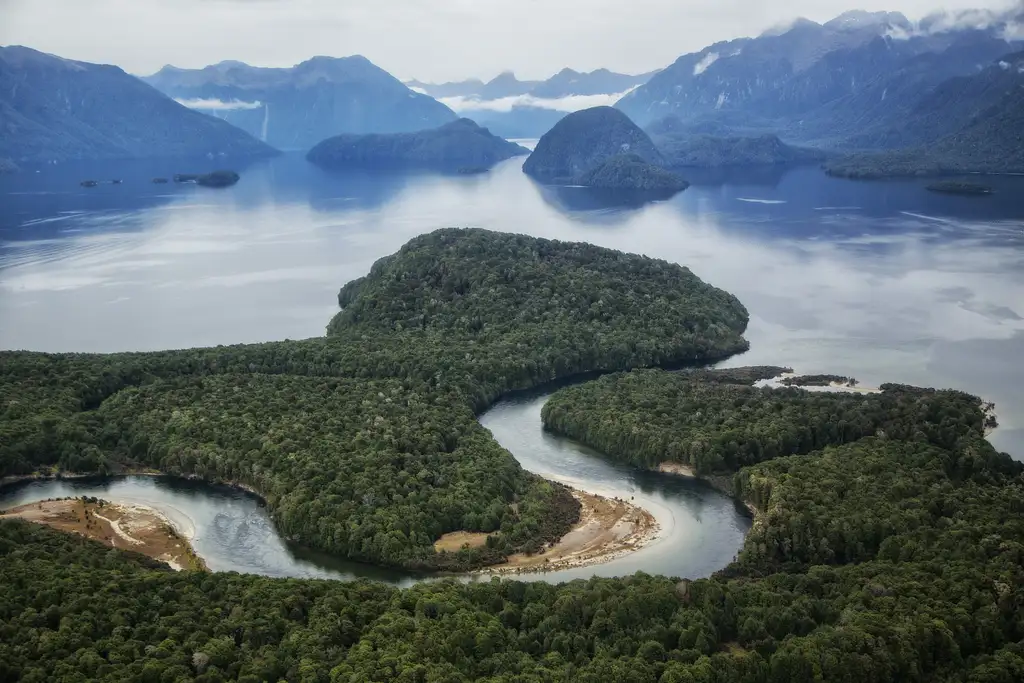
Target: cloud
(218, 105)
(702, 66)
(569, 103)
(1009, 20)
(432, 40)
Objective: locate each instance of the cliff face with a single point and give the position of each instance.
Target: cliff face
(584, 140)
(54, 109)
(460, 144)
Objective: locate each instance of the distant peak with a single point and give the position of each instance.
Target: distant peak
(27, 55)
(858, 18)
(787, 26)
(505, 76)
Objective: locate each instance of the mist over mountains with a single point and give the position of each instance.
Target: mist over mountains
(861, 83)
(524, 109)
(297, 107)
(825, 83)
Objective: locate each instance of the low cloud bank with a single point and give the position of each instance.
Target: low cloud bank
(570, 103)
(1010, 20)
(219, 105)
(702, 66)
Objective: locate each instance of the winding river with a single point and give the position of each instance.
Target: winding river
(881, 281)
(701, 529)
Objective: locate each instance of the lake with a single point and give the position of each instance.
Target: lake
(882, 281)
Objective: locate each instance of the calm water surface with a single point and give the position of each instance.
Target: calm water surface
(882, 281)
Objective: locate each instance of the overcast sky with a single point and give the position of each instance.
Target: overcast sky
(427, 39)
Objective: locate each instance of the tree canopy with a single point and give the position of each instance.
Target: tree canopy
(889, 558)
(887, 544)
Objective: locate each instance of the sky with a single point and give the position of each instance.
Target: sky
(431, 40)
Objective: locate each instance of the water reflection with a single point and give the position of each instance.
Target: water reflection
(229, 528)
(882, 281)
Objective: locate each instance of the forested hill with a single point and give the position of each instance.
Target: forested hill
(365, 443)
(455, 145)
(893, 557)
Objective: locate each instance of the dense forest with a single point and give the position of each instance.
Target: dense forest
(894, 557)
(717, 422)
(364, 443)
(888, 542)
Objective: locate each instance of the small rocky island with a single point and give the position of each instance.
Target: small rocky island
(962, 188)
(460, 146)
(602, 148)
(212, 179)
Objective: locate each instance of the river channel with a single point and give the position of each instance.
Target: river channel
(701, 530)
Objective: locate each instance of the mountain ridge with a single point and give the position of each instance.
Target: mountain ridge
(57, 109)
(296, 107)
(804, 79)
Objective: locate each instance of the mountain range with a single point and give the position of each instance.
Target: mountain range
(565, 83)
(297, 107)
(827, 84)
(527, 109)
(968, 124)
(883, 95)
(54, 109)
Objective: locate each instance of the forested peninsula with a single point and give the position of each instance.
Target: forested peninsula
(364, 443)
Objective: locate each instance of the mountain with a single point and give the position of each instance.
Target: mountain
(466, 88)
(969, 124)
(584, 140)
(632, 172)
(819, 83)
(297, 107)
(682, 149)
(565, 83)
(505, 85)
(54, 109)
(527, 109)
(461, 144)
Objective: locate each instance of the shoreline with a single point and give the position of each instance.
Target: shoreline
(608, 529)
(129, 526)
(717, 482)
(831, 387)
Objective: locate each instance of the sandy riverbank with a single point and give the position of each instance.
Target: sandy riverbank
(127, 526)
(676, 468)
(777, 383)
(608, 528)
